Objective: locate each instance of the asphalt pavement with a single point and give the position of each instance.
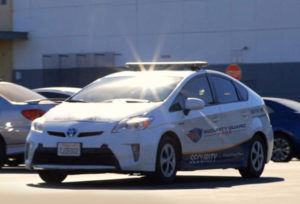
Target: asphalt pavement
(280, 183)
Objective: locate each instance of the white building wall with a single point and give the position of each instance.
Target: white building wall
(212, 30)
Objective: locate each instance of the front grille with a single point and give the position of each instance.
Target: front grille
(58, 134)
(82, 134)
(89, 156)
(87, 134)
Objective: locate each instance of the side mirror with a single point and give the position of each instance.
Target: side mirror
(193, 104)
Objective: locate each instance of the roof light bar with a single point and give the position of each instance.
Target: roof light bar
(193, 65)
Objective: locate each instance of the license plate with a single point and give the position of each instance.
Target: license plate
(68, 149)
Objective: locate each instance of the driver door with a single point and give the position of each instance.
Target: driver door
(200, 139)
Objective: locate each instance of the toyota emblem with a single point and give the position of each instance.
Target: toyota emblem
(71, 132)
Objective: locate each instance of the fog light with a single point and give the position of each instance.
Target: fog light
(136, 151)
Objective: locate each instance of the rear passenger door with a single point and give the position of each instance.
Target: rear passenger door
(234, 115)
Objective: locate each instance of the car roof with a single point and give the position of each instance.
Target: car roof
(287, 103)
(172, 73)
(278, 99)
(61, 90)
(153, 73)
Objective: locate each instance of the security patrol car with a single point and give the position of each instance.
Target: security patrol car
(179, 117)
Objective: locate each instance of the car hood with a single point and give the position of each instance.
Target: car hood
(98, 112)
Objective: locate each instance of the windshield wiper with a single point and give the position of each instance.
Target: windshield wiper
(127, 100)
(137, 101)
(76, 101)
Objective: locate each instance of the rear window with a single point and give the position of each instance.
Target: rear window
(54, 95)
(17, 93)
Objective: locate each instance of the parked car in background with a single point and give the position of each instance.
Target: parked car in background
(57, 92)
(154, 123)
(18, 107)
(285, 119)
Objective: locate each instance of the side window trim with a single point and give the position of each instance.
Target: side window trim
(212, 89)
(237, 91)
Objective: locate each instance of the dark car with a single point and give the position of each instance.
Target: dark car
(285, 119)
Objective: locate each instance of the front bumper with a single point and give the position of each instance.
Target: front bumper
(73, 167)
(95, 158)
(131, 152)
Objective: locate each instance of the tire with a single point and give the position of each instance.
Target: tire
(282, 149)
(2, 154)
(256, 159)
(52, 177)
(166, 160)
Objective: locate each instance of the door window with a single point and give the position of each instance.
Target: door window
(197, 87)
(225, 91)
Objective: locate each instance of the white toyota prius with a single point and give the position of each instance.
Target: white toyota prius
(153, 123)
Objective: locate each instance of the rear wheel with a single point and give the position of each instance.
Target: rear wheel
(52, 177)
(282, 149)
(167, 160)
(256, 159)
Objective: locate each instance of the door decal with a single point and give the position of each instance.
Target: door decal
(195, 134)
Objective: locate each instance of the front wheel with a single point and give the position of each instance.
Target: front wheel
(256, 159)
(52, 177)
(167, 160)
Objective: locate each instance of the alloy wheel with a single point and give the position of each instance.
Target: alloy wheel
(281, 149)
(257, 156)
(168, 160)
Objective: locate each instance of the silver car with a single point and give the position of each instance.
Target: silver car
(18, 107)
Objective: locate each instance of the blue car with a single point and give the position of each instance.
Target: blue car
(285, 119)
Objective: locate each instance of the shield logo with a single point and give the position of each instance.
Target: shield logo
(195, 134)
(71, 132)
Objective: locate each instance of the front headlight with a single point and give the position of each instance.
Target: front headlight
(135, 123)
(37, 125)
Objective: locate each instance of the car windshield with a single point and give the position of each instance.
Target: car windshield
(139, 88)
(17, 93)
